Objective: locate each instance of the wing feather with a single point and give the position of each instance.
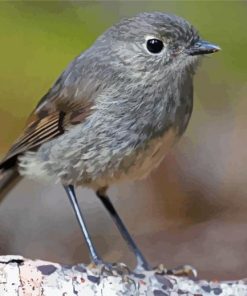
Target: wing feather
(42, 129)
(38, 132)
(57, 112)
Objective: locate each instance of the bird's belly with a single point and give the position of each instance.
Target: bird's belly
(140, 163)
(96, 170)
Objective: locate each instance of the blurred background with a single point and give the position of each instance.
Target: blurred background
(193, 208)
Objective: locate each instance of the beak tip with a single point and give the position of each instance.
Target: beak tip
(217, 48)
(203, 47)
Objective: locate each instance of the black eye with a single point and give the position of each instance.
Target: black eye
(154, 45)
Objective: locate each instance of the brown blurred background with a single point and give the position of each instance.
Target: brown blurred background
(193, 209)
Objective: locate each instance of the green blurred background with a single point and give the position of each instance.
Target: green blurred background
(193, 209)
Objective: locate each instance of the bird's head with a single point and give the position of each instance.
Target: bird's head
(149, 42)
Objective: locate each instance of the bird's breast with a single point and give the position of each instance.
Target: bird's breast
(150, 156)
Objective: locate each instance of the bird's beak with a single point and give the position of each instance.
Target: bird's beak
(202, 47)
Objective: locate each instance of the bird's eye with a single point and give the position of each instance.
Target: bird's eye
(154, 45)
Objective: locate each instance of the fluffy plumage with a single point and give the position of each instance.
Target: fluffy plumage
(115, 110)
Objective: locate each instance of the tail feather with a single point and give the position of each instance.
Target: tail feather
(8, 179)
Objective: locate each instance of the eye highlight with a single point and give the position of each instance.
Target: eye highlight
(154, 45)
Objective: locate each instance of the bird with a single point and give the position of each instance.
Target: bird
(112, 115)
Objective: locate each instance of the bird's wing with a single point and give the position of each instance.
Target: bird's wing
(51, 118)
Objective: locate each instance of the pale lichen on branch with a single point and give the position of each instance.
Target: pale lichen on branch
(25, 277)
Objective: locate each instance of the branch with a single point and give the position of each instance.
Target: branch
(25, 277)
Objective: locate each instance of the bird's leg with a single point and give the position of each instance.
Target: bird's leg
(185, 270)
(72, 197)
(141, 261)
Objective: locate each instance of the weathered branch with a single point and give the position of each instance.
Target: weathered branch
(24, 277)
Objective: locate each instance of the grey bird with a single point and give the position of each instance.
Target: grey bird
(113, 114)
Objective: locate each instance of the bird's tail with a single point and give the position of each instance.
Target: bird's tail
(9, 177)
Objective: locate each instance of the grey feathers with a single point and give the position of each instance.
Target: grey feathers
(140, 104)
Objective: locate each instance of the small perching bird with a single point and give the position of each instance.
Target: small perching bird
(113, 113)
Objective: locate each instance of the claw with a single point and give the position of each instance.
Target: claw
(115, 269)
(184, 270)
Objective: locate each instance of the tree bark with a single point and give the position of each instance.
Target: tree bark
(25, 277)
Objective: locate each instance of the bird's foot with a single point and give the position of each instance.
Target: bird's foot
(183, 270)
(115, 269)
(121, 269)
(110, 269)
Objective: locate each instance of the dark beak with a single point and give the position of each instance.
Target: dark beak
(202, 47)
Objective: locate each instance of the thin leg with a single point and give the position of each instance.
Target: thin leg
(72, 197)
(141, 261)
